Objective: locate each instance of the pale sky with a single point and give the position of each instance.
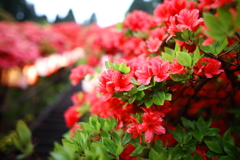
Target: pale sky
(108, 12)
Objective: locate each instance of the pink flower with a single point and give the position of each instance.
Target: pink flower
(153, 44)
(177, 68)
(160, 69)
(139, 21)
(208, 67)
(188, 19)
(78, 73)
(144, 74)
(111, 81)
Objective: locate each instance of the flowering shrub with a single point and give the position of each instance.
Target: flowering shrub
(170, 89)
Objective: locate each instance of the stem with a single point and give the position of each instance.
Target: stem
(229, 50)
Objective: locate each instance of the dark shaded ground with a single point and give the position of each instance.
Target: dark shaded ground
(50, 126)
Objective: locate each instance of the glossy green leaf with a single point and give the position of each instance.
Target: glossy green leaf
(168, 96)
(127, 137)
(227, 137)
(153, 155)
(119, 150)
(231, 150)
(196, 55)
(137, 151)
(213, 146)
(123, 68)
(187, 123)
(184, 58)
(167, 57)
(110, 146)
(158, 98)
(176, 153)
(225, 16)
(178, 77)
(148, 102)
(198, 135)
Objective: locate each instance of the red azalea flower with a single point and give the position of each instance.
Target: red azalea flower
(167, 9)
(208, 67)
(151, 124)
(78, 73)
(160, 69)
(71, 116)
(144, 74)
(177, 68)
(139, 21)
(188, 19)
(111, 81)
(153, 44)
(159, 33)
(134, 128)
(127, 151)
(208, 4)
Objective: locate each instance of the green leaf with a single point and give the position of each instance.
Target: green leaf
(158, 98)
(227, 137)
(144, 87)
(127, 138)
(231, 150)
(110, 146)
(177, 48)
(178, 77)
(225, 16)
(211, 132)
(137, 151)
(190, 146)
(23, 132)
(225, 158)
(237, 25)
(187, 123)
(119, 150)
(132, 99)
(212, 154)
(116, 138)
(167, 57)
(134, 81)
(154, 155)
(169, 51)
(197, 156)
(123, 68)
(198, 135)
(87, 127)
(184, 58)
(17, 144)
(94, 123)
(212, 23)
(187, 157)
(201, 124)
(148, 102)
(158, 146)
(213, 146)
(107, 64)
(196, 55)
(105, 134)
(140, 95)
(176, 153)
(178, 134)
(133, 90)
(168, 96)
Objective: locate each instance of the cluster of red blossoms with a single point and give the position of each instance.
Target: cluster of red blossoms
(23, 42)
(166, 57)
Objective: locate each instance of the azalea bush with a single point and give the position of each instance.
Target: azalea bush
(161, 86)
